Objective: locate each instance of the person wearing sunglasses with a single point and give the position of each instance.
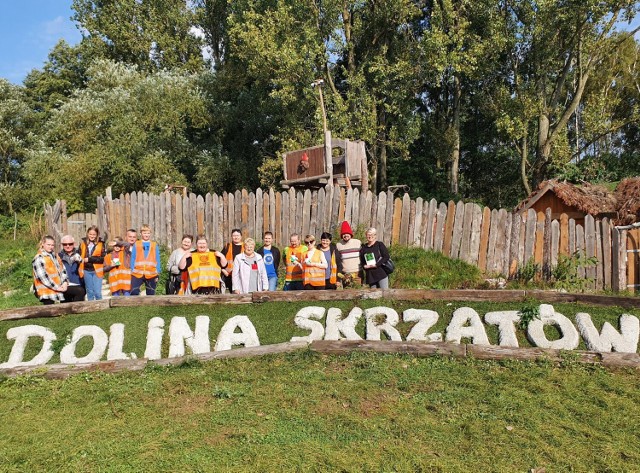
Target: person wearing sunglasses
(314, 265)
(71, 259)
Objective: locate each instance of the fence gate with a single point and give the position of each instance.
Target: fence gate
(633, 260)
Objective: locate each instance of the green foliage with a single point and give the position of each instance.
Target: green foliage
(527, 314)
(525, 274)
(565, 273)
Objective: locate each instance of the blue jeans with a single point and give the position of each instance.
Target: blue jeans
(120, 293)
(293, 286)
(273, 283)
(93, 285)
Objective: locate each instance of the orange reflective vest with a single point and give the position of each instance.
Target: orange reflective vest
(204, 270)
(333, 278)
(145, 268)
(230, 257)
(119, 276)
(97, 251)
(53, 271)
(294, 273)
(312, 274)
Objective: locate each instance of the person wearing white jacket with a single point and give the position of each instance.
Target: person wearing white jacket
(249, 272)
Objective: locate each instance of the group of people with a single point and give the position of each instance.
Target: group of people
(240, 268)
(78, 271)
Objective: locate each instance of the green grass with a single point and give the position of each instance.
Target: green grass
(302, 412)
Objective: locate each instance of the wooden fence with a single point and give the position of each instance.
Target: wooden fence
(496, 241)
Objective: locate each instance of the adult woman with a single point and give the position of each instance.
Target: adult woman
(314, 265)
(230, 251)
(49, 276)
(249, 272)
(373, 255)
(71, 259)
(204, 267)
(92, 251)
(333, 258)
(178, 280)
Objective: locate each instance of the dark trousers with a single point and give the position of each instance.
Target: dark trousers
(149, 285)
(74, 294)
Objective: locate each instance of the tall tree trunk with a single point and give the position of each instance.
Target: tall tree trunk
(455, 151)
(382, 148)
(524, 158)
(543, 149)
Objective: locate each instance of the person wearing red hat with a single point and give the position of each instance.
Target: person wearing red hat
(349, 261)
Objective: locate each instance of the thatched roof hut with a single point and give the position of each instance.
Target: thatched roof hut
(575, 201)
(627, 194)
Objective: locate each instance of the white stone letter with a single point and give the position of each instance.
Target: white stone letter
(155, 331)
(21, 336)
(180, 334)
(426, 319)
(100, 342)
(625, 341)
(457, 330)
(302, 320)
(548, 316)
(228, 338)
(506, 321)
(375, 326)
(116, 344)
(342, 329)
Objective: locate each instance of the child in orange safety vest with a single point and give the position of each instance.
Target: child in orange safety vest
(119, 273)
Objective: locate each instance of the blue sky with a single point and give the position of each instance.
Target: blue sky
(28, 31)
(30, 28)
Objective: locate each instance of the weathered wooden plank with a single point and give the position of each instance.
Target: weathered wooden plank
(572, 237)
(299, 216)
(530, 238)
(342, 205)
(514, 245)
(590, 245)
(606, 254)
(439, 229)
(273, 226)
(397, 220)
(348, 204)
(426, 226)
(237, 218)
(135, 211)
(200, 225)
(474, 239)
(161, 219)
(193, 211)
(244, 213)
(564, 235)
(616, 247)
(523, 237)
(282, 217)
(127, 212)
(219, 206)
(320, 199)
(306, 212)
(313, 216)
(420, 349)
(538, 251)
(335, 206)
(259, 214)
(622, 259)
(355, 208)
(416, 222)
(226, 229)
(467, 224)
(502, 243)
(174, 218)
(484, 239)
(54, 310)
(412, 222)
(456, 235)
(144, 208)
(580, 249)
(293, 213)
(381, 216)
(388, 219)
(231, 213)
(364, 209)
(168, 219)
(177, 218)
(555, 243)
(546, 246)
(403, 236)
(448, 229)
(186, 221)
(599, 281)
(373, 204)
(493, 238)
(430, 225)
(251, 230)
(208, 219)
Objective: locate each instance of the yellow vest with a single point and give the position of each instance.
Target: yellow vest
(204, 270)
(312, 274)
